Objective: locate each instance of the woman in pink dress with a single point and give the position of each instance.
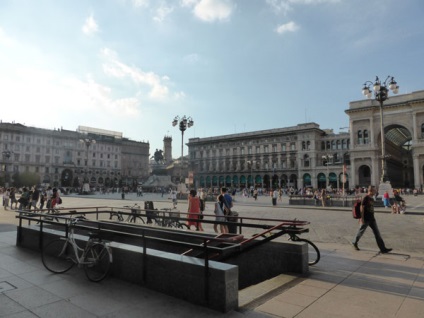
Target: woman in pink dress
(194, 211)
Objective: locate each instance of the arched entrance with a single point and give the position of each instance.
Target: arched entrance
(364, 176)
(306, 180)
(66, 178)
(266, 181)
(400, 170)
(332, 177)
(322, 181)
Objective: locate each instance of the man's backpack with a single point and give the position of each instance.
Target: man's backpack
(356, 210)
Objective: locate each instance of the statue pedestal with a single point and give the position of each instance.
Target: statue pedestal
(383, 187)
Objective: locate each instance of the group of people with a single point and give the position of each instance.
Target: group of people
(398, 206)
(222, 209)
(31, 198)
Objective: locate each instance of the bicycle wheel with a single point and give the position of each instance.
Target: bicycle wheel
(97, 262)
(313, 251)
(182, 226)
(57, 256)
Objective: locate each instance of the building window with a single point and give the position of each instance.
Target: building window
(283, 147)
(27, 157)
(274, 148)
(339, 145)
(249, 150)
(306, 161)
(266, 149)
(366, 140)
(258, 149)
(293, 146)
(344, 146)
(242, 151)
(360, 136)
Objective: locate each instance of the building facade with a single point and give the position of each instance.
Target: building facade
(70, 158)
(307, 156)
(299, 156)
(403, 125)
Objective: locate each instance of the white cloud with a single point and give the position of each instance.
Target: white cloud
(90, 26)
(287, 27)
(162, 12)
(140, 3)
(279, 6)
(5, 40)
(212, 10)
(284, 6)
(157, 89)
(188, 3)
(192, 58)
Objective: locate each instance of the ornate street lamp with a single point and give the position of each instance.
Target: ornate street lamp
(327, 158)
(183, 123)
(87, 142)
(381, 92)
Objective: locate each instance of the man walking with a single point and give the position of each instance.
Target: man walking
(368, 219)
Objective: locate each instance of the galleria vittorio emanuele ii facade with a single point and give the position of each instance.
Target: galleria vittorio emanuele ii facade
(307, 156)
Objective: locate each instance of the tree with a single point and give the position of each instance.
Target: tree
(25, 179)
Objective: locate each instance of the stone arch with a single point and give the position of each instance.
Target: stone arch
(364, 176)
(399, 155)
(66, 178)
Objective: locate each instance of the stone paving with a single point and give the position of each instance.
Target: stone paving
(345, 283)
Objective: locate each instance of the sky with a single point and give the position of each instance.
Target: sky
(233, 66)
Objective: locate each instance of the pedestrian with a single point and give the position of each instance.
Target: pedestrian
(220, 217)
(49, 194)
(34, 198)
(6, 195)
(24, 199)
(42, 199)
(174, 198)
(194, 211)
(274, 197)
(255, 194)
(13, 198)
(386, 199)
(368, 219)
(323, 197)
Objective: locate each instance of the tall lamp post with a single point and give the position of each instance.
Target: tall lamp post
(6, 155)
(250, 164)
(381, 92)
(327, 158)
(183, 123)
(87, 142)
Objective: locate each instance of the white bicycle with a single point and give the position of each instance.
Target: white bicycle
(61, 254)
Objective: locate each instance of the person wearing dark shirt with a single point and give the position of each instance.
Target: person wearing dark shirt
(368, 219)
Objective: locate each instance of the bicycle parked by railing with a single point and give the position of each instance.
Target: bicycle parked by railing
(172, 220)
(135, 214)
(61, 254)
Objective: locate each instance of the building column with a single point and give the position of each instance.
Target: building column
(417, 172)
(375, 171)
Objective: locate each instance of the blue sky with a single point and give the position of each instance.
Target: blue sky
(232, 65)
